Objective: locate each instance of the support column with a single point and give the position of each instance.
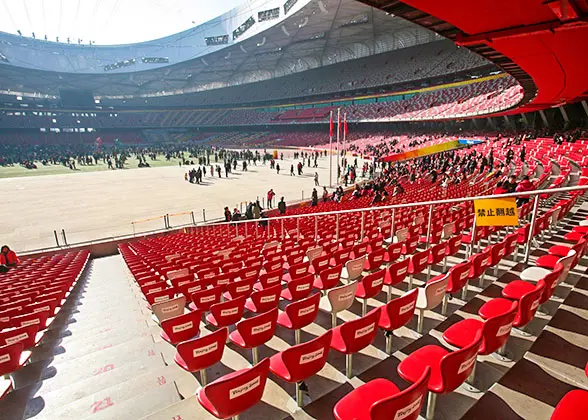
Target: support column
(585, 106)
(544, 118)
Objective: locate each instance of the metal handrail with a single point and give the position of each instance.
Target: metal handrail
(392, 207)
(414, 204)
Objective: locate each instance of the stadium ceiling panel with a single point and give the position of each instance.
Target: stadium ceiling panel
(311, 34)
(542, 44)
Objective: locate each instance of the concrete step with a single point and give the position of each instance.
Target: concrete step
(102, 380)
(188, 409)
(139, 406)
(63, 404)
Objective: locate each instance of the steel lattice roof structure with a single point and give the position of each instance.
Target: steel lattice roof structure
(313, 33)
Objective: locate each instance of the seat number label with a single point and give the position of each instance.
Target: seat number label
(311, 357)
(182, 327)
(409, 409)
(245, 388)
(505, 329)
(201, 351)
(261, 328)
(467, 364)
(406, 308)
(364, 331)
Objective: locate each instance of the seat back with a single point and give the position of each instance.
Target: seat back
(36, 318)
(551, 281)
(232, 394)
(266, 299)
(259, 329)
(342, 256)
(437, 254)
(170, 308)
(510, 244)
(497, 330)
(411, 245)
(183, 327)
(320, 263)
(453, 245)
(160, 295)
(373, 283)
(394, 252)
(240, 288)
(228, 312)
(458, 276)
(270, 278)
(204, 299)
(448, 229)
(419, 261)
(435, 290)
(314, 252)
(301, 287)
(405, 405)
(307, 359)
(299, 270)
(528, 305)
(399, 311)
(10, 358)
(330, 276)
(457, 365)
(376, 258)
(304, 311)
(397, 272)
(479, 262)
(202, 352)
(25, 335)
(342, 297)
(178, 273)
(360, 249)
(359, 333)
(355, 267)
(497, 253)
(401, 235)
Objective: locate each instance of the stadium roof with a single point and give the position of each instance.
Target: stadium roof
(542, 44)
(222, 52)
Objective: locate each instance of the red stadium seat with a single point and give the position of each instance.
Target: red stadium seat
(301, 361)
(265, 299)
(299, 314)
(448, 369)
(226, 313)
(355, 335)
(253, 332)
(370, 286)
(380, 399)
(299, 288)
(397, 313)
(232, 394)
(200, 353)
(181, 328)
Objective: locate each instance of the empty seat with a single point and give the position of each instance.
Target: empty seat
(169, 308)
(328, 278)
(226, 313)
(353, 336)
(395, 274)
(265, 299)
(299, 362)
(397, 313)
(353, 269)
(181, 328)
(299, 288)
(339, 299)
(253, 332)
(200, 353)
(299, 314)
(448, 369)
(430, 297)
(232, 394)
(381, 399)
(370, 286)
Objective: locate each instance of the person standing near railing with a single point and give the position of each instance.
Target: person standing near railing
(524, 186)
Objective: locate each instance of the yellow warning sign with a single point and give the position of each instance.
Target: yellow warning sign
(496, 212)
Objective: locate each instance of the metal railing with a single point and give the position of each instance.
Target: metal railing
(167, 228)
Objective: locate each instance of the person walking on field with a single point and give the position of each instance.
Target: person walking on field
(282, 206)
(278, 168)
(316, 179)
(292, 170)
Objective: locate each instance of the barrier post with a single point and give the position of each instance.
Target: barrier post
(246, 223)
(337, 229)
(430, 223)
(473, 235)
(531, 229)
(362, 226)
(56, 237)
(315, 228)
(204, 215)
(282, 221)
(392, 225)
(166, 221)
(193, 218)
(302, 195)
(298, 228)
(63, 236)
(236, 230)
